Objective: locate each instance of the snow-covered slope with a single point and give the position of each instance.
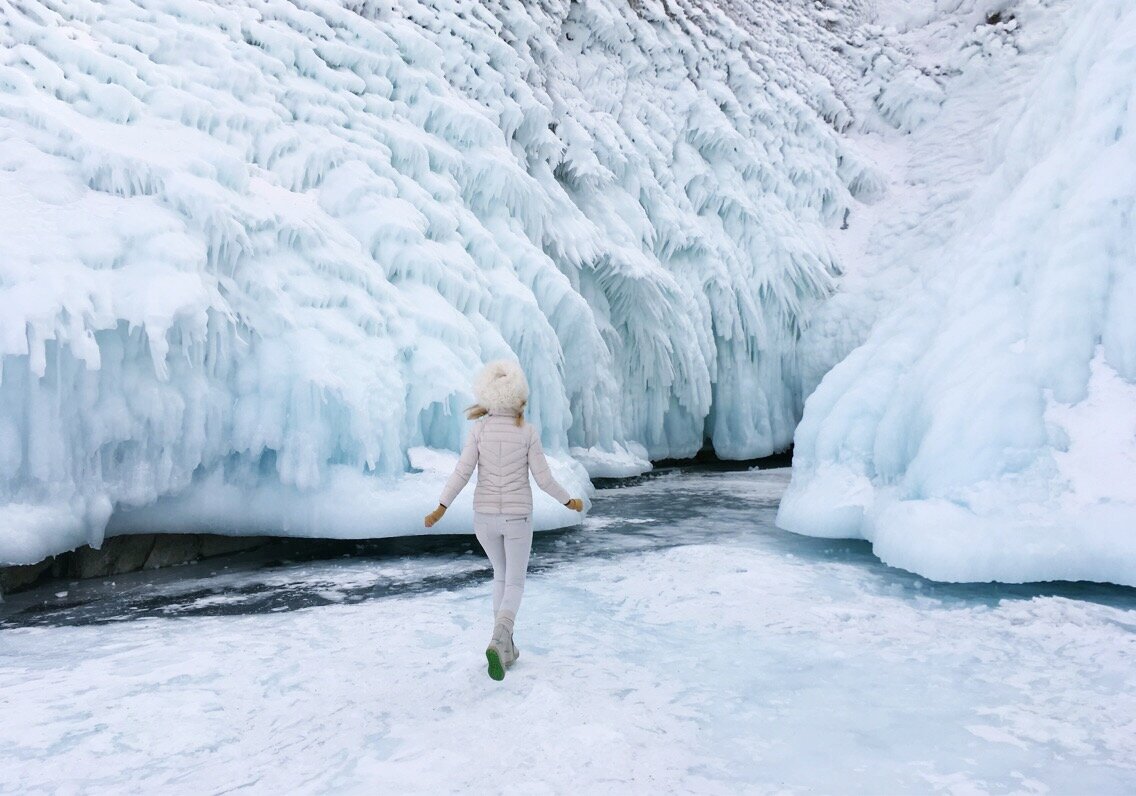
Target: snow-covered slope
(251, 253)
(986, 429)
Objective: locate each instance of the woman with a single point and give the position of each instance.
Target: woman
(504, 449)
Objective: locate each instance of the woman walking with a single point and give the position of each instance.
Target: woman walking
(504, 449)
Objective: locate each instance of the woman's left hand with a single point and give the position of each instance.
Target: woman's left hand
(435, 515)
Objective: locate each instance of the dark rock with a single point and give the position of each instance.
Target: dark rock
(121, 554)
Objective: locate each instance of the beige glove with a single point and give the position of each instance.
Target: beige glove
(575, 504)
(435, 515)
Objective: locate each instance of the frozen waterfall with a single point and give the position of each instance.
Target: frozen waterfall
(251, 253)
(986, 429)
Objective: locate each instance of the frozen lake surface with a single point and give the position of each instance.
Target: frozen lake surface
(678, 641)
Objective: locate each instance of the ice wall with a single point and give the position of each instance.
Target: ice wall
(986, 429)
(252, 253)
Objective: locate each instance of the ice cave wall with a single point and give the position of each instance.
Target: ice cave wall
(986, 427)
(252, 253)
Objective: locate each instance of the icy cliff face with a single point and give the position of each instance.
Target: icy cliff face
(986, 429)
(251, 253)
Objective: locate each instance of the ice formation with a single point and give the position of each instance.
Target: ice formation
(251, 253)
(986, 428)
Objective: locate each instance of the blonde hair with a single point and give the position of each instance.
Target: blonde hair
(477, 411)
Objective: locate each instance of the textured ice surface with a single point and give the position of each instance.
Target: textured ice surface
(986, 428)
(251, 253)
(676, 643)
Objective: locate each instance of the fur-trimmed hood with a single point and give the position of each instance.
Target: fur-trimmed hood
(501, 386)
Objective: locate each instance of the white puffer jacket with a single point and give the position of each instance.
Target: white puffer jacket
(504, 454)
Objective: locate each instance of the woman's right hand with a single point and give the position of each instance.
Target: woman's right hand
(575, 504)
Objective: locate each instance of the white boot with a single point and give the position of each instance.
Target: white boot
(501, 653)
(510, 653)
(513, 653)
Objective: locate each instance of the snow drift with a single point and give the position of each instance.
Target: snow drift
(252, 253)
(986, 429)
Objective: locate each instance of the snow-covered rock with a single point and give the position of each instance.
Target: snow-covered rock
(986, 428)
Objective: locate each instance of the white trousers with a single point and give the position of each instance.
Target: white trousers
(507, 539)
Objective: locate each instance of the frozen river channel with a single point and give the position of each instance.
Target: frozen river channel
(676, 642)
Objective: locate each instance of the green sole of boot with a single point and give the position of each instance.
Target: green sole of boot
(496, 670)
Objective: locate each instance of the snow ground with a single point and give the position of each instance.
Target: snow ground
(678, 642)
